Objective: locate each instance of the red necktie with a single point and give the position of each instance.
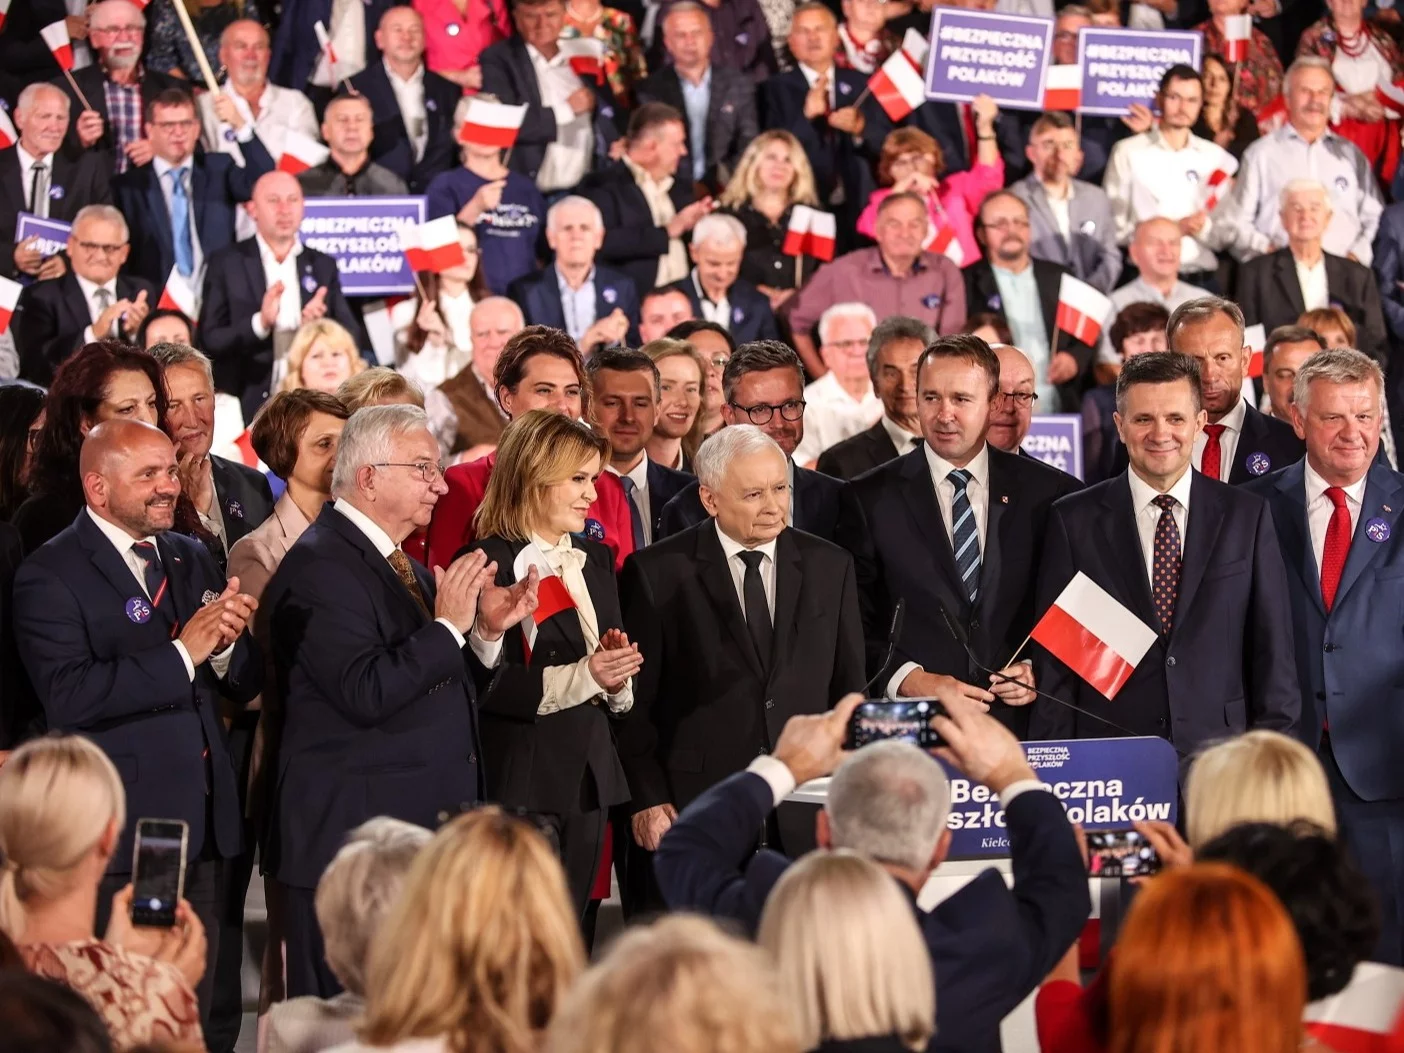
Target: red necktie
(1211, 464)
(1333, 553)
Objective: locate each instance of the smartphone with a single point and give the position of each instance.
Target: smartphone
(907, 720)
(1120, 853)
(158, 871)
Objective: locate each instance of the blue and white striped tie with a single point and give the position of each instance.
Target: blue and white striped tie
(964, 537)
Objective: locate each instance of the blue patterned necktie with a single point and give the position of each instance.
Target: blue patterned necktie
(964, 538)
(180, 224)
(1165, 573)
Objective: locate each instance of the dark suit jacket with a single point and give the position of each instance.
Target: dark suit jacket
(509, 75)
(1270, 294)
(101, 673)
(990, 945)
(51, 316)
(77, 180)
(217, 186)
(21, 716)
(632, 241)
(391, 147)
(751, 317)
(704, 703)
(1389, 269)
(234, 288)
(1348, 661)
(539, 297)
(731, 117)
(982, 294)
(541, 763)
(295, 48)
(90, 80)
(379, 712)
(244, 496)
(859, 453)
(664, 484)
(1228, 663)
(910, 556)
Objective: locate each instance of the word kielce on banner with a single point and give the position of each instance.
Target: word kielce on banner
(301, 152)
(1093, 635)
(552, 596)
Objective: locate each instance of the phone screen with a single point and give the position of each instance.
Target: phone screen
(1120, 853)
(907, 720)
(158, 877)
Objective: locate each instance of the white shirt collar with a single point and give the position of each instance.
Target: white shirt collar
(730, 547)
(26, 162)
(1316, 487)
(366, 525)
(564, 286)
(900, 436)
(265, 252)
(121, 540)
(1142, 493)
(1319, 265)
(90, 287)
(979, 466)
(417, 77)
(161, 166)
(1233, 419)
(639, 473)
(702, 293)
(536, 56)
(811, 75)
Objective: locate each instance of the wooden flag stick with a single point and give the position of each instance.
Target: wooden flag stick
(77, 90)
(799, 270)
(1077, 124)
(195, 45)
(1015, 656)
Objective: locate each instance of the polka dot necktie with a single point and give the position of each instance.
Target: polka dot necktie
(1165, 578)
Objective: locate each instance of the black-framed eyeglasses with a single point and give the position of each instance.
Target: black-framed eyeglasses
(761, 413)
(428, 471)
(1023, 399)
(96, 247)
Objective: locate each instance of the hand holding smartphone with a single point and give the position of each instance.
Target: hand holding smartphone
(158, 871)
(906, 720)
(1120, 854)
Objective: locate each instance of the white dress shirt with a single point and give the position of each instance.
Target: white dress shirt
(1148, 514)
(26, 166)
(409, 97)
(672, 265)
(638, 475)
(456, 311)
(831, 415)
(568, 158)
(347, 29)
(1228, 441)
(904, 440)
(810, 76)
(732, 550)
(90, 297)
(1060, 205)
(290, 304)
(1312, 280)
(719, 311)
(1320, 509)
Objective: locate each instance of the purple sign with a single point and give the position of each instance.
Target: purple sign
(362, 235)
(980, 53)
(52, 233)
(1122, 66)
(1056, 439)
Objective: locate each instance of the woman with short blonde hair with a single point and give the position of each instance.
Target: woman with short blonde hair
(1257, 777)
(682, 375)
(322, 355)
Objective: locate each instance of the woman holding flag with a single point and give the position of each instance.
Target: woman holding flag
(545, 708)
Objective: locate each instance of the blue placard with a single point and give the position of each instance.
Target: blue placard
(361, 234)
(52, 233)
(1056, 439)
(1105, 784)
(1122, 66)
(981, 53)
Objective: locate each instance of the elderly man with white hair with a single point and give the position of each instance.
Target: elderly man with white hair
(597, 305)
(1277, 289)
(842, 402)
(714, 286)
(492, 322)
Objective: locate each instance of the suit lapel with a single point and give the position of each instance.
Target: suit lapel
(1285, 272)
(348, 530)
(1048, 279)
(253, 267)
(551, 298)
(1001, 494)
(178, 580)
(1039, 198)
(920, 494)
(1122, 539)
(1294, 534)
(1206, 518)
(199, 188)
(716, 579)
(74, 305)
(1250, 441)
(160, 214)
(105, 558)
(1381, 503)
(305, 270)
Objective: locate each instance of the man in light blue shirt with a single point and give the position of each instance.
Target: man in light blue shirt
(1005, 230)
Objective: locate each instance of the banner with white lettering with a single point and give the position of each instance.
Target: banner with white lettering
(1122, 66)
(362, 235)
(1056, 439)
(52, 233)
(981, 53)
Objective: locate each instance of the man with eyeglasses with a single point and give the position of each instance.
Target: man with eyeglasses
(1011, 412)
(93, 301)
(841, 403)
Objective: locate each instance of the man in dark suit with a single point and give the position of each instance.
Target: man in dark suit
(1273, 289)
(260, 291)
(894, 349)
(989, 945)
(64, 181)
(714, 286)
(298, 60)
(91, 301)
(1194, 560)
(130, 636)
(180, 206)
(413, 107)
(1337, 513)
(399, 738)
(717, 102)
(952, 528)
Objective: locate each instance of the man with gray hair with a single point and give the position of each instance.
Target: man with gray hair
(841, 403)
(743, 622)
(715, 288)
(989, 945)
(368, 649)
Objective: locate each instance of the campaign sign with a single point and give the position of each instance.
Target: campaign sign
(1122, 66)
(1104, 784)
(981, 53)
(52, 233)
(362, 235)
(1056, 439)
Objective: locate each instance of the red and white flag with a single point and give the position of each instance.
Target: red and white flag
(9, 296)
(1062, 88)
(915, 47)
(1238, 30)
(55, 34)
(8, 135)
(586, 57)
(324, 42)
(491, 124)
(4, 10)
(897, 86)
(1255, 340)
(797, 233)
(823, 231)
(1081, 309)
(1367, 1017)
(944, 242)
(244, 444)
(1094, 635)
(177, 295)
(552, 596)
(1218, 183)
(433, 246)
(301, 152)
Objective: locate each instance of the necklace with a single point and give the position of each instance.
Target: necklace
(1353, 45)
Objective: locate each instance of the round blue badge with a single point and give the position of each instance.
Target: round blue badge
(594, 530)
(236, 510)
(1089, 227)
(431, 105)
(737, 316)
(1377, 530)
(230, 135)
(1259, 464)
(994, 303)
(138, 609)
(309, 283)
(56, 193)
(931, 301)
(609, 295)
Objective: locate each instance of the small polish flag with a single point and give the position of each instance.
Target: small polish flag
(301, 152)
(944, 242)
(552, 596)
(1366, 1017)
(1217, 183)
(897, 87)
(9, 296)
(177, 295)
(244, 444)
(433, 246)
(586, 57)
(823, 230)
(491, 124)
(1238, 30)
(4, 10)
(797, 233)
(1255, 340)
(8, 135)
(55, 34)
(914, 46)
(1081, 309)
(324, 41)
(1062, 88)
(1391, 97)
(1094, 635)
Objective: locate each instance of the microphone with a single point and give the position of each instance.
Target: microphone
(895, 631)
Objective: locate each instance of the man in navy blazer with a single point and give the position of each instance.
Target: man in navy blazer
(296, 51)
(1196, 561)
(131, 635)
(714, 286)
(989, 945)
(1338, 514)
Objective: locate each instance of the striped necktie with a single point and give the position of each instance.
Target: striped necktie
(964, 538)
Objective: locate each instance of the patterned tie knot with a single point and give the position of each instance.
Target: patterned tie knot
(1214, 431)
(1164, 502)
(960, 479)
(752, 559)
(1336, 496)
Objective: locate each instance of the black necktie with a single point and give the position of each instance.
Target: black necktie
(38, 189)
(631, 494)
(757, 609)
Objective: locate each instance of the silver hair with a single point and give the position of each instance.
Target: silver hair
(850, 309)
(1199, 311)
(684, 6)
(1305, 62)
(368, 438)
(1303, 186)
(574, 201)
(104, 214)
(714, 457)
(136, 9)
(720, 229)
(898, 327)
(498, 301)
(1340, 365)
(169, 354)
(33, 91)
(889, 801)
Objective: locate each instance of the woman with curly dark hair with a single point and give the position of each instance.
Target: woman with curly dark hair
(21, 415)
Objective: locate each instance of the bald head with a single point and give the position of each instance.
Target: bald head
(244, 52)
(1012, 411)
(492, 323)
(129, 476)
(276, 208)
(1155, 249)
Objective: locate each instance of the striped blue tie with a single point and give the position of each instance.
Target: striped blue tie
(963, 535)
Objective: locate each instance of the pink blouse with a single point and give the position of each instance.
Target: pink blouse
(955, 204)
(453, 41)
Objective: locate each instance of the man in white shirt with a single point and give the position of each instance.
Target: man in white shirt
(718, 292)
(1155, 250)
(842, 402)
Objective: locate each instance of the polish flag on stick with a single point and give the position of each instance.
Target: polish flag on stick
(552, 596)
(1366, 1017)
(823, 230)
(433, 246)
(55, 34)
(1217, 183)
(9, 296)
(8, 135)
(914, 46)
(491, 124)
(1094, 635)
(301, 152)
(1255, 339)
(324, 42)
(4, 10)
(797, 233)
(177, 295)
(586, 57)
(1062, 88)
(944, 242)
(1238, 30)
(1081, 310)
(897, 86)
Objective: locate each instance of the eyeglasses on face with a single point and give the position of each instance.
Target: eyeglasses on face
(428, 471)
(96, 247)
(1022, 399)
(761, 413)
